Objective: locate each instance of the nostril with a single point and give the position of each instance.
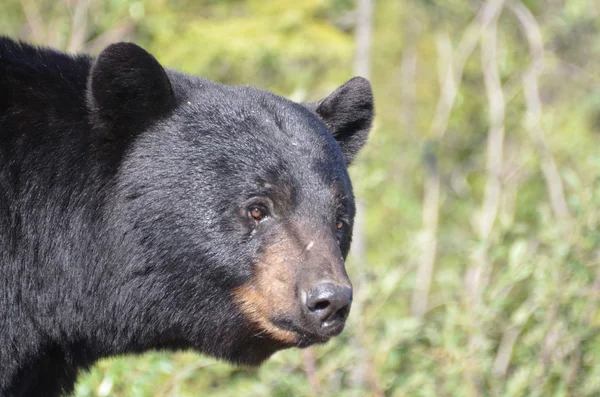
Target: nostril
(342, 314)
(320, 305)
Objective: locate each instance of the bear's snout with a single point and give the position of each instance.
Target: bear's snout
(327, 305)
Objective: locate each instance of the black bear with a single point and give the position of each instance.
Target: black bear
(142, 208)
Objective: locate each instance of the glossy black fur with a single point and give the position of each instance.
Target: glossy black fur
(122, 218)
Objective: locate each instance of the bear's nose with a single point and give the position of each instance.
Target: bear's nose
(329, 304)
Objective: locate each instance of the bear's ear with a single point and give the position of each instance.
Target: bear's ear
(348, 113)
(128, 88)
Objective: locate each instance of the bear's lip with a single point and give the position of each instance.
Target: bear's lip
(305, 336)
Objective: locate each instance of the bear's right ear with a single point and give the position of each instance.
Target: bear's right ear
(128, 88)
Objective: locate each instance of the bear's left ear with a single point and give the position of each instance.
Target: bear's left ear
(128, 88)
(348, 113)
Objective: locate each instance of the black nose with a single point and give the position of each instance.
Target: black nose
(329, 304)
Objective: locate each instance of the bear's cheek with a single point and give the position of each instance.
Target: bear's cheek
(271, 293)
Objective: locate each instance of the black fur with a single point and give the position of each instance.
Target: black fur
(348, 113)
(122, 193)
(128, 88)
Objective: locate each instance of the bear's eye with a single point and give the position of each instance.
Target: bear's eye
(339, 225)
(257, 212)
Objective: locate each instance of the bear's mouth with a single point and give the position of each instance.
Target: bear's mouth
(306, 337)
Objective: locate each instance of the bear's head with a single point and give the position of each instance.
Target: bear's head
(232, 210)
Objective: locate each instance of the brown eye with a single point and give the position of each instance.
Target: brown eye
(257, 213)
(339, 225)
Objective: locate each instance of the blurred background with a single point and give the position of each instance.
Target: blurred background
(477, 248)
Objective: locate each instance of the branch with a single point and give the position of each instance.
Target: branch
(119, 33)
(509, 337)
(450, 71)
(34, 20)
(495, 142)
(362, 61)
(310, 367)
(431, 203)
(488, 12)
(78, 27)
(534, 110)
(486, 216)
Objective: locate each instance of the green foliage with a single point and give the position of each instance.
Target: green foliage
(532, 327)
